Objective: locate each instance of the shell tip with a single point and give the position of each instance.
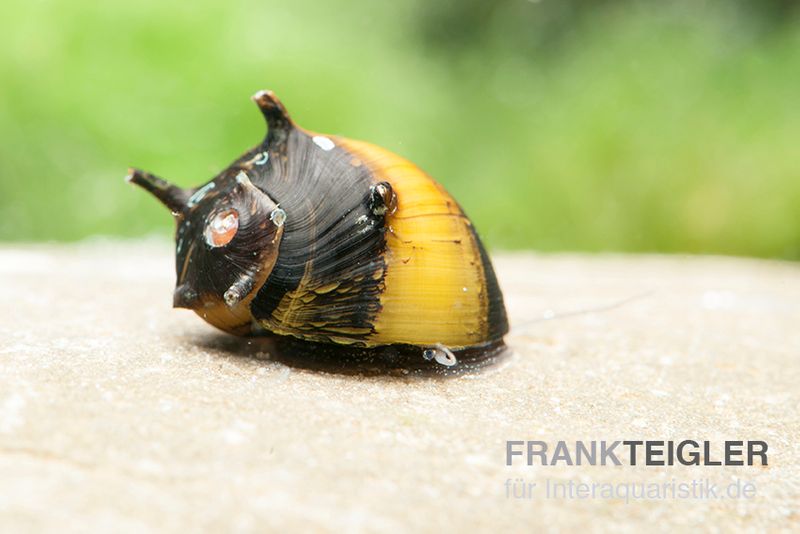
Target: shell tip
(232, 297)
(130, 176)
(260, 95)
(170, 195)
(272, 109)
(265, 99)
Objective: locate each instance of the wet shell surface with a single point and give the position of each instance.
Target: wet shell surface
(348, 255)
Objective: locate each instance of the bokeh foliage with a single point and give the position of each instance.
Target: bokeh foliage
(559, 125)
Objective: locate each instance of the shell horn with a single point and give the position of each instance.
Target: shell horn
(170, 195)
(278, 120)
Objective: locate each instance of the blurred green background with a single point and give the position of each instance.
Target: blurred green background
(559, 125)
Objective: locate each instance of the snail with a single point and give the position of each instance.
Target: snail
(336, 248)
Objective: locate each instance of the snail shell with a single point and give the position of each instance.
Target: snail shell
(336, 246)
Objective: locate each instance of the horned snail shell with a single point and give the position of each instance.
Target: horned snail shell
(339, 249)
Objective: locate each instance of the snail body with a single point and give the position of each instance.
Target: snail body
(337, 247)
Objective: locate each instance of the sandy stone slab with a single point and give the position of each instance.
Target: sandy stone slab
(117, 411)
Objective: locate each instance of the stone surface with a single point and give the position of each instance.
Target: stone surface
(117, 411)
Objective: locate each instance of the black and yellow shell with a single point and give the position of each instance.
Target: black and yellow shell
(337, 247)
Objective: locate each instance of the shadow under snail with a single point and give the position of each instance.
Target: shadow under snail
(344, 251)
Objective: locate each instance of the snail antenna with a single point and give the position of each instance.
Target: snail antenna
(276, 115)
(170, 195)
